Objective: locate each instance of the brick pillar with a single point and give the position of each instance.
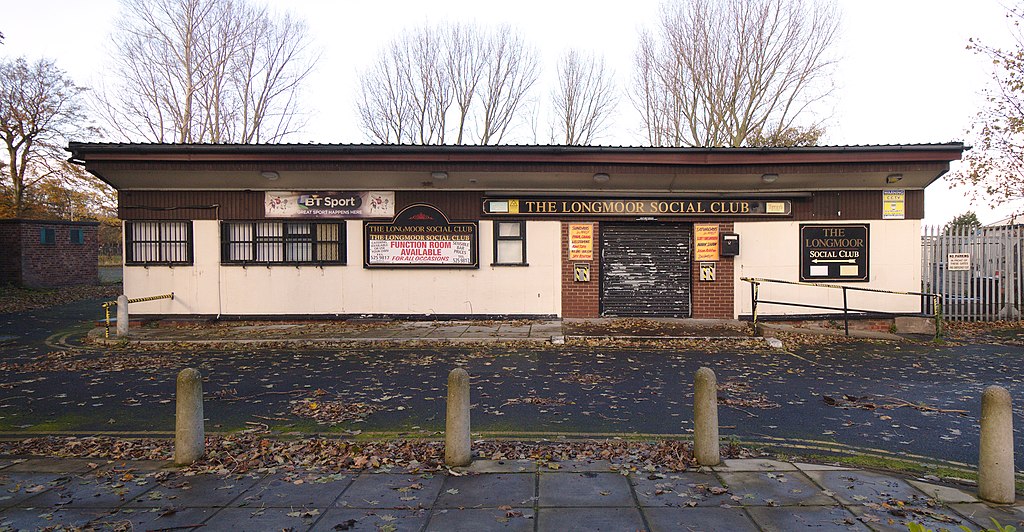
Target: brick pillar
(714, 299)
(581, 300)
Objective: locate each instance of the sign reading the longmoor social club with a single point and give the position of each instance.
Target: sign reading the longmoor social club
(296, 204)
(834, 252)
(636, 207)
(420, 237)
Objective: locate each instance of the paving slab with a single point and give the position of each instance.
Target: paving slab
(203, 491)
(787, 488)
(17, 487)
(144, 466)
(892, 519)
(860, 487)
(263, 518)
(589, 519)
(753, 464)
(818, 518)
(475, 519)
(698, 519)
(380, 491)
(446, 331)
(579, 466)
(488, 491)
(499, 466)
(54, 465)
(982, 514)
(680, 490)
(820, 467)
(584, 489)
(91, 491)
(46, 518)
(372, 520)
(169, 517)
(283, 491)
(945, 494)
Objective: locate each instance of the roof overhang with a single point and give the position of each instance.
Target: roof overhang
(514, 168)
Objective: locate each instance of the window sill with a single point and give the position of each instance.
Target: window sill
(269, 264)
(509, 264)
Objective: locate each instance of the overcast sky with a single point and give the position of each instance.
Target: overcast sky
(904, 76)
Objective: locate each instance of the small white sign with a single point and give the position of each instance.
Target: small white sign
(958, 262)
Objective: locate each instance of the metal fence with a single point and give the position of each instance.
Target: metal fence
(977, 271)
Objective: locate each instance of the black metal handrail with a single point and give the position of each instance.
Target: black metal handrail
(755, 282)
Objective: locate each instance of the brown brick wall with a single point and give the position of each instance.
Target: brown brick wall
(714, 299)
(581, 300)
(40, 265)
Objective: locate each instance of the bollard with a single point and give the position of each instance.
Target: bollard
(122, 315)
(188, 424)
(995, 456)
(705, 418)
(456, 430)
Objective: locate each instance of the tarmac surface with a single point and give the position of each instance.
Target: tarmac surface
(526, 380)
(738, 495)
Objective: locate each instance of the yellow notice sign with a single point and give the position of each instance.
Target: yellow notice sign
(705, 242)
(893, 204)
(581, 241)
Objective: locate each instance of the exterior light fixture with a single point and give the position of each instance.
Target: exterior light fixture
(440, 176)
(893, 178)
(270, 175)
(769, 178)
(601, 178)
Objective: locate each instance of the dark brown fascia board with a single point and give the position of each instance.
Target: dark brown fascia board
(95, 152)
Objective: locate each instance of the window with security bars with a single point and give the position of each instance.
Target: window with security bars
(510, 243)
(161, 242)
(283, 243)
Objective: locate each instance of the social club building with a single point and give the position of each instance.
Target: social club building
(515, 231)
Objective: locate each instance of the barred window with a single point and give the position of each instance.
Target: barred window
(283, 243)
(77, 236)
(158, 242)
(510, 243)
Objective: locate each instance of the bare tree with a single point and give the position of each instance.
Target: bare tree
(39, 109)
(449, 83)
(725, 72)
(193, 71)
(993, 171)
(584, 99)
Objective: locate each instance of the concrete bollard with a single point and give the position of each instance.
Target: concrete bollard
(122, 315)
(995, 455)
(705, 418)
(456, 429)
(189, 433)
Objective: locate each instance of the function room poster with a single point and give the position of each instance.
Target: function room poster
(420, 237)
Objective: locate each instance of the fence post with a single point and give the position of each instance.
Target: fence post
(456, 430)
(122, 315)
(846, 315)
(939, 327)
(753, 307)
(189, 432)
(995, 454)
(705, 418)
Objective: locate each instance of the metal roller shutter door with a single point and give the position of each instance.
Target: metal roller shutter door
(645, 270)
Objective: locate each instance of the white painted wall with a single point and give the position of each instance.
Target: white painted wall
(211, 289)
(772, 250)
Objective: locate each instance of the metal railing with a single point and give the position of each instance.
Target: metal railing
(755, 282)
(108, 304)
